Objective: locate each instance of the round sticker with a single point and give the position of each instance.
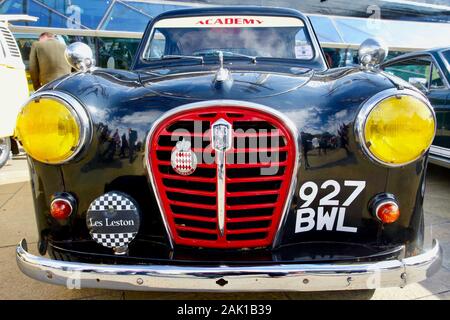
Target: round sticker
(113, 220)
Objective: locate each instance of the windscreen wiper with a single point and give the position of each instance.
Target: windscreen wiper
(176, 56)
(234, 54)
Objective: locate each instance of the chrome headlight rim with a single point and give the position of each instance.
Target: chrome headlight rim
(80, 114)
(369, 106)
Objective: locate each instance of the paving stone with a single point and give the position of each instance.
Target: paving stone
(18, 220)
(439, 296)
(10, 188)
(4, 198)
(15, 285)
(442, 232)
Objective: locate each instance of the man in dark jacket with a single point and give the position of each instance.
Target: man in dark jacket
(47, 61)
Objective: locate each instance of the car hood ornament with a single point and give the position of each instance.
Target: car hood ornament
(183, 159)
(223, 78)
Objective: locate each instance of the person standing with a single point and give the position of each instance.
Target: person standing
(47, 61)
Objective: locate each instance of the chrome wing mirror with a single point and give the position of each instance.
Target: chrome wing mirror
(419, 83)
(80, 56)
(371, 53)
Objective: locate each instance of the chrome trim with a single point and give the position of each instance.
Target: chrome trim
(221, 169)
(439, 156)
(78, 111)
(447, 65)
(440, 151)
(223, 278)
(367, 108)
(229, 103)
(5, 149)
(439, 161)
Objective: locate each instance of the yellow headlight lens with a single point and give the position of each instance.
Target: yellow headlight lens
(399, 129)
(48, 130)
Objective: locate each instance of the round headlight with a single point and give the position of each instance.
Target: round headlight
(397, 129)
(52, 129)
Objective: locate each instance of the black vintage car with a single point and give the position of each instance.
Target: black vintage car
(230, 158)
(429, 71)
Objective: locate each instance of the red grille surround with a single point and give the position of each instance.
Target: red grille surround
(254, 203)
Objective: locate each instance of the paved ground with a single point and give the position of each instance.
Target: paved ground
(17, 221)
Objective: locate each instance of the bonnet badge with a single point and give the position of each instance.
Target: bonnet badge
(183, 159)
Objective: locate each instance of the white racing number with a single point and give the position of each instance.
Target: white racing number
(330, 214)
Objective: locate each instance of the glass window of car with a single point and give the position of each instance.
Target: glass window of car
(413, 70)
(158, 45)
(419, 70)
(436, 81)
(268, 37)
(116, 53)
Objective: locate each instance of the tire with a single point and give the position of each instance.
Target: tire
(5, 148)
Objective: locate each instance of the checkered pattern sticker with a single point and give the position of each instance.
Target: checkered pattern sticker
(114, 200)
(184, 162)
(113, 240)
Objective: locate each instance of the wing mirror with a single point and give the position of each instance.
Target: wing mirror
(372, 52)
(419, 83)
(80, 56)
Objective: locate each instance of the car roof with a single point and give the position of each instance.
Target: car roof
(241, 10)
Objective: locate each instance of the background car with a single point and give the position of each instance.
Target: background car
(429, 71)
(13, 84)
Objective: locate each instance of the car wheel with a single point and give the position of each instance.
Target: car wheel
(5, 148)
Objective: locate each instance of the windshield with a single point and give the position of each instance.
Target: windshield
(257, 36)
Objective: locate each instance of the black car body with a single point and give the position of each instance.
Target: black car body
(222, 225)
(430, 72)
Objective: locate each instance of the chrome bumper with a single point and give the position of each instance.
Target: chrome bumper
(281, 277)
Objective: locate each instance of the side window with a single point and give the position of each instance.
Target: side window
(413, 71)
(158, 46)
(436, 79)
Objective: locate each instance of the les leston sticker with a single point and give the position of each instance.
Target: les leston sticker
(113, 220)
(328, 212)
(183, 159)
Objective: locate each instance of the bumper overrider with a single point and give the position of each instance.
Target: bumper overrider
(270, 277)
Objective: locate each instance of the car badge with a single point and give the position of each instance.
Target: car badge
(183, 159)
(221, 135)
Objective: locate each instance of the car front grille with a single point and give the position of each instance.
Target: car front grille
(10, 42)
(258, 172)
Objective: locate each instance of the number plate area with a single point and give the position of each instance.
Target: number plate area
(330, 210)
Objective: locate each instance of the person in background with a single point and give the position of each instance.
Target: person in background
(47, 61)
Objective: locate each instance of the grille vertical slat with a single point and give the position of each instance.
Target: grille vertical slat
(253, 201)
